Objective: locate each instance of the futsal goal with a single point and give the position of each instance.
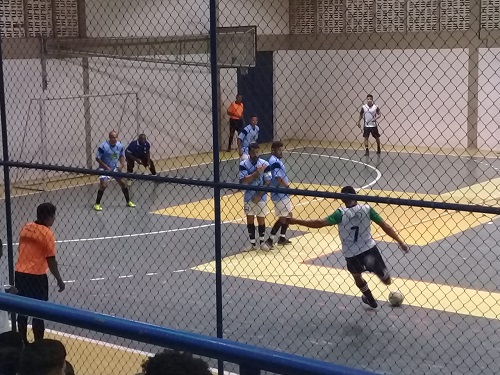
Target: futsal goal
(67, 130)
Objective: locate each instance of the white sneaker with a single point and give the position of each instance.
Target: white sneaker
(264, 247)
(254, 247)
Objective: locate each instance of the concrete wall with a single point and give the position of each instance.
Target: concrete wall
(489, 99)
(422, 95)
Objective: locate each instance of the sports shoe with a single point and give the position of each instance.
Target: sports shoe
(130, 183)
(284, 241)
(264, 247)
(97, 207)
(378, 152)
(130, 204)
(269, 243)
(254, 246)
(373, 304)
(367, 153)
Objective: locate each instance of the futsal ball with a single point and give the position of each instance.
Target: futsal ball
(396, 298)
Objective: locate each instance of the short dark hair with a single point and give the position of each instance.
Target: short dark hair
(276, 145)
(11, 339)
(42, 357)
(253, 146)
(254, 115)
(348, 190)
(45, 211)
(172, 362)
(11, 346)
(9, 360)
(70, 370)
(369, 96)
(142, 135)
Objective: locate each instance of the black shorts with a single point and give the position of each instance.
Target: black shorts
(32, 286)
(369, 261)
(373, 131)
(236, 125)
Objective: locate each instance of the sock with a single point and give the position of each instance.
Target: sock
(251, 233)
(367, 293)
(275, 229)
(99, 196)
(284, 227)
(262, 232)
(126, 194)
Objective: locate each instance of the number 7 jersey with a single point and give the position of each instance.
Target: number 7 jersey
(354, 228)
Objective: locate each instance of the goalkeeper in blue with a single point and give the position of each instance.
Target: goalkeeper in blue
(111, 157)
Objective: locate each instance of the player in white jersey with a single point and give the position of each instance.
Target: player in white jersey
(249, 134)
(282, 204)
(370, 113)
(256, 172)
(358, 246)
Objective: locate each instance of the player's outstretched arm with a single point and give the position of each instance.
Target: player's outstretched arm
(394, 235)
(320, 223)
(102, 164)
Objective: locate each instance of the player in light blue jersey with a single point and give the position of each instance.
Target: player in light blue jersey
(111, 157)
(256, 172)
(358, 246)
(282, 204)
(249, 134)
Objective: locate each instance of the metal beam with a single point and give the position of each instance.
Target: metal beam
(29, 48)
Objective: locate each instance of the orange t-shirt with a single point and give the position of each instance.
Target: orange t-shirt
(235, 111)
(36, 244)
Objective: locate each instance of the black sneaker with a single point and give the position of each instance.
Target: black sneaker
(284, 241)
(378, 152)
(269, 243)
(367, 153)
(373, 304)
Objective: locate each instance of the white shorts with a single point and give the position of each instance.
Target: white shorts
(256, 209)
(283, 207)
(108, 178)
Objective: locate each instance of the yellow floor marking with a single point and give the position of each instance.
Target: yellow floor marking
(96, 357)
(90, 356)
(418, 226)
(284, 267)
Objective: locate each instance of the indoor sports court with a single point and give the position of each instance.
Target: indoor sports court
(75, 71)
(155, 263)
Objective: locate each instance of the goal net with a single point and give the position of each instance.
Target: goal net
(66, 131)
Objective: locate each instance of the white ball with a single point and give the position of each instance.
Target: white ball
(396, 298)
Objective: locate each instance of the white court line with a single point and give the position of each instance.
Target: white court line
(125, 277)
(114, 346)
(379, 174)
(98, 279)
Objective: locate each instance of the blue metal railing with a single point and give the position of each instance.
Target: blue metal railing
(251, 359)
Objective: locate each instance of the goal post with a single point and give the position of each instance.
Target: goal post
(57, 132)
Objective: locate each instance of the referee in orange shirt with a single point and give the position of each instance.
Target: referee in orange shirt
(37, 255)
(235, 112)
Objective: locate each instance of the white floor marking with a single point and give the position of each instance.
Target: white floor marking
(379, 174)
(125, 277)
(98, 279)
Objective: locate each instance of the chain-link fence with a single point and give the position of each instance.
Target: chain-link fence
(398, 99)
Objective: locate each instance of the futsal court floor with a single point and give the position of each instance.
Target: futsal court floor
(155, 263)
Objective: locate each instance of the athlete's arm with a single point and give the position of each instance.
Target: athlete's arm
(394, 235)
(281, 182)
(377, 113)
(122, 162)
(240, 150)
(320, 223)
(102, 164)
